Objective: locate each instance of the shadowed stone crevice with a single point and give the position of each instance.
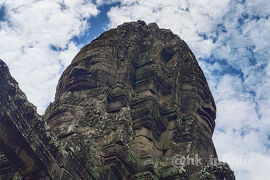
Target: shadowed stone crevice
(129, 103)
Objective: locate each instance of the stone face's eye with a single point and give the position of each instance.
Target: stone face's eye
(77, 71)
(167, 54)
(74, 64)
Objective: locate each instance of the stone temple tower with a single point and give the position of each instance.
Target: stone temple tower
(133, 104)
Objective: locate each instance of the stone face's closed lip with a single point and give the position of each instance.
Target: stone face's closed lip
(207, 114)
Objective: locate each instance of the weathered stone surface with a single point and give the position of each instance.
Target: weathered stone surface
(30, 149)
(131, 102)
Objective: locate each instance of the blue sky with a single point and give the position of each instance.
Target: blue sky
(230, 39)
(2, 12)
(97, 25)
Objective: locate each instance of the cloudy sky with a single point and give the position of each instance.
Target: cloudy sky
(230, 39)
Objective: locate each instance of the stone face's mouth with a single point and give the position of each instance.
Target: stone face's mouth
(208, 114)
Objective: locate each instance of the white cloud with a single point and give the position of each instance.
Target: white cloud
(186, 18)
(32, 28)
(232, 38)
(105, 2)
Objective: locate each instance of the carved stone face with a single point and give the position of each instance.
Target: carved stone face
(89, 71)
(100, 67)
(128, 104)
(148, 74)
